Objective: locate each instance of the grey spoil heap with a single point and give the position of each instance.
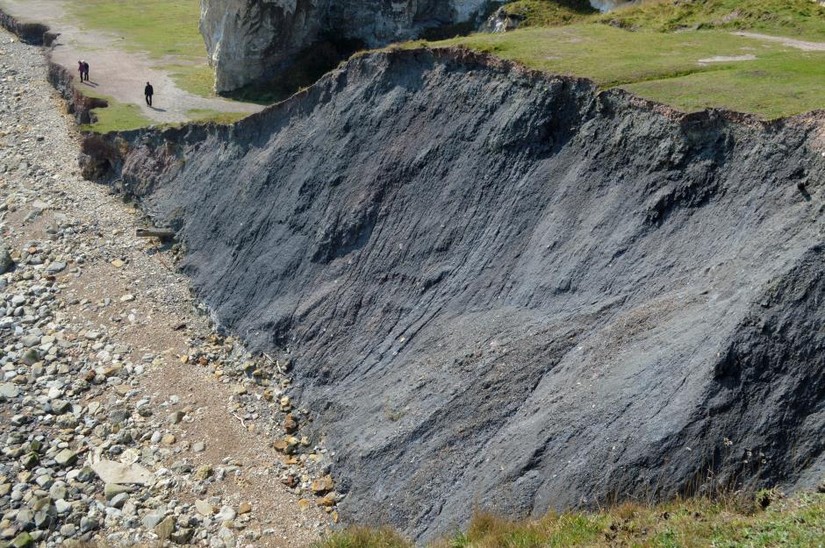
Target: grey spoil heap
(503, 290)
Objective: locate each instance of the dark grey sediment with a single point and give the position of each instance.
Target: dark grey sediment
(509, 291)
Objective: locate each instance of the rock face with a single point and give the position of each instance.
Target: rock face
(503, 290)
(607, 5)
(248, 40)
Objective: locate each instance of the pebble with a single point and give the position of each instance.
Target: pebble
(65, 457)
(204, 508)
(55, 267)
(226, 514)
(8, 391)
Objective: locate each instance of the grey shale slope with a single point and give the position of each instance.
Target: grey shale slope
(503, 290)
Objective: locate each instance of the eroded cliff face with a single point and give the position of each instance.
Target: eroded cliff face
(502, 290)
(251, 40)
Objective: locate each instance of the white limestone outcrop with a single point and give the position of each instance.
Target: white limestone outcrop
(248, 40)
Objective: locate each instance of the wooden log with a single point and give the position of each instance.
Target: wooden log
(162, 233)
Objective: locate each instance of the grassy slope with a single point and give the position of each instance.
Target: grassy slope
(797, 521)
(665, 66)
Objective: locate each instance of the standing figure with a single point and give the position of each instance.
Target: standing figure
(80, 67)
(85, 76)
(148, 91)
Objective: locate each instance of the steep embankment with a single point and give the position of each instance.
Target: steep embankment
(503, 290)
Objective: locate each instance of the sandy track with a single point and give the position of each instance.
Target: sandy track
(115, 72)
(790, 42)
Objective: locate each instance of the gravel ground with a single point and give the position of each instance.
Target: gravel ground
(125, 418)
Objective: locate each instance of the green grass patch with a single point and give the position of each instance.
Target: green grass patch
(117, 117)
(206, 115)
(569, 529)
(157, 27)
(196, 79)
(735, 521)
(776, 86)
(668, 67)
(364, 537)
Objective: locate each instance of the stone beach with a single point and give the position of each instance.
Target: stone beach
(126, 420)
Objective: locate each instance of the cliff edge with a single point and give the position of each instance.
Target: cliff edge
(503, 290)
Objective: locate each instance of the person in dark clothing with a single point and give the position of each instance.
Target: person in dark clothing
(80, 67)
(148, 91)
(85, 72)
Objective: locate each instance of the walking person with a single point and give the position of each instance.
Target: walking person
(148, 91)
(85, 75)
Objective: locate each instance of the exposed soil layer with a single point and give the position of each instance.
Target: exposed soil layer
(503, 290)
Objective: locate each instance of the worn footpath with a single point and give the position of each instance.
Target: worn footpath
(125, 419)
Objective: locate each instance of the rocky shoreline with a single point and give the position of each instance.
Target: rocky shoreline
(125, 419)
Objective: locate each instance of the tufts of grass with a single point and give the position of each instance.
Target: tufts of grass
(570, 529)
(206, 115)
(364, 537)
(769, 519)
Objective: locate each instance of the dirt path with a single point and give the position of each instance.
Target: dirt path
(114, 72)
(790, 42)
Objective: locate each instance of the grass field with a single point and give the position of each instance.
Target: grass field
(674, 68)
(125, 116)
(795, 521)
(164, 29)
